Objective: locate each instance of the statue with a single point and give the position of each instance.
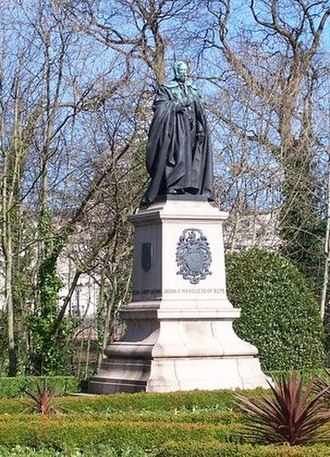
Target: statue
(179, 158)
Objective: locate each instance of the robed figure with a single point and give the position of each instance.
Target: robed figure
(179, 158)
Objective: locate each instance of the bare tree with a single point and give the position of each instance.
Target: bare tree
(45, 94)
(276, 58)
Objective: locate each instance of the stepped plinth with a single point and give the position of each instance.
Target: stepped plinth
(179, 325)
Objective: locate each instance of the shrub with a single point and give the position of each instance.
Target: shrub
(211, 449)
(171, 449)
(42, 399)
(157, 402)
(151, 404)
(290, 416)
(323, 385)
(61, 431)
(185, 424)
(279, 313)
(87, 451)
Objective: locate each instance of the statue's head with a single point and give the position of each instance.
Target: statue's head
(181, 71)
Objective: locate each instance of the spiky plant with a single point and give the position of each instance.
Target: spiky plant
(322, 385)
(42, 400)
(292, 414)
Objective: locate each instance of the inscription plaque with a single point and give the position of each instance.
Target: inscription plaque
(146, 256)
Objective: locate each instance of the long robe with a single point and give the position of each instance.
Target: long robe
(179, 157)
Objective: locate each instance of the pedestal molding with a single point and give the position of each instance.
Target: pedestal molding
(179, 330)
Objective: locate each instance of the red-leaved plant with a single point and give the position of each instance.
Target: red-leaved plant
(42, 400)
(292, 414)
(321, 384)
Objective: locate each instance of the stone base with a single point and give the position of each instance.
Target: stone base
(179, 332)
(170, 375)
(121, 375)
(193, 350)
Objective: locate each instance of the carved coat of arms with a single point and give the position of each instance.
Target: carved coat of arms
(193, 255)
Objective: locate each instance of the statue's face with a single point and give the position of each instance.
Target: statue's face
(181, 71)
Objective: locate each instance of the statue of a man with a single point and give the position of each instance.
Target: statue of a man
(179, 158)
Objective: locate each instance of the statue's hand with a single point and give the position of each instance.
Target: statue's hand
(181, 107)
(200, 136)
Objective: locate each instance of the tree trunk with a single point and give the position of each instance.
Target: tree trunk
(326, 251)
(12, 370)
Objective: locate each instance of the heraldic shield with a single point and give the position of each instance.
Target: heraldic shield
(193, 256)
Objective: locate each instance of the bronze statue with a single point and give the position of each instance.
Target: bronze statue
(179, 158)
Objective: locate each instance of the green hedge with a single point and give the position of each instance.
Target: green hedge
(221, 401)
(279, 313)
(69, 431)
(87, 451)
(181, 424)
(15, 387)
(157, 402)
(207, 449)
(198, 417)
(171, 449)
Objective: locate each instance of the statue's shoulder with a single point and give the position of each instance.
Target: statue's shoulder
(170, 84)
(173, 84)
(192, 86)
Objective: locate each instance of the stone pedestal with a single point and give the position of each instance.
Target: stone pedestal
(179, 332)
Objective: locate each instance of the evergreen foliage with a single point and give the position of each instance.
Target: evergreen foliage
(302, 229)
(50, 337)
(279, 313)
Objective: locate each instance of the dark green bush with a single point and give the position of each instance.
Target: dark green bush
(279, 313)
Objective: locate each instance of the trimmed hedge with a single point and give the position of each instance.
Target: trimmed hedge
(74, 431)
(199, 417)
(172, 449)
(279, 313)
(156, 402)
(59, 385)
(181, 424)
(207, 449)
(69, 432)
(15, 387)
(218, 401)
(87, 451)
